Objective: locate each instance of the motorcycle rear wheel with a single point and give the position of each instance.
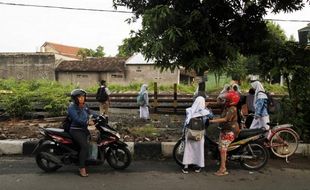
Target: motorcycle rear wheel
(119, 158)
(45, 164)
(259, 156)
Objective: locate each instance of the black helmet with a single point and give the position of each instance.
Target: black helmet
(76, 93)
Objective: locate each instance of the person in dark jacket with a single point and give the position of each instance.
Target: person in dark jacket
(79, 114)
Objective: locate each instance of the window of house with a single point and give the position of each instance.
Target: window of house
(138, 69)
(116, 76)
(82, 76)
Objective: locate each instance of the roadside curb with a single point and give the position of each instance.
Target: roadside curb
(139, 150)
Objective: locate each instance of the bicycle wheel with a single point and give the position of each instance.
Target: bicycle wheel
(284, 143)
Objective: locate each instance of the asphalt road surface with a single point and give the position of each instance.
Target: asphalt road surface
(22, 173)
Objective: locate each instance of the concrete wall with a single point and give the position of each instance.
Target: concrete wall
(89, 79)
(27, 66)
(133, 74)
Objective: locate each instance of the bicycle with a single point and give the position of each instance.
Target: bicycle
(282, 140)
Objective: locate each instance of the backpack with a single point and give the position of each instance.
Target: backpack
(66, 124)
(270, 102)
(102, 95)
(140, 99)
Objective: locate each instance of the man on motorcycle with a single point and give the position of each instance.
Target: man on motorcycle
(229, 128)
(79, 114)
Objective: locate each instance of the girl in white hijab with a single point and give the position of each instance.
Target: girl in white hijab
(261, 117)
(194, 150)
(144, 109)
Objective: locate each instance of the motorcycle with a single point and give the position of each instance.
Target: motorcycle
(247, 149)
(57, 148)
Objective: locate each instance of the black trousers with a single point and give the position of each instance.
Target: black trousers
(81, 138)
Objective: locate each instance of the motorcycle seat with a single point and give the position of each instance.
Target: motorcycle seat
(58, 131)
(244, 133)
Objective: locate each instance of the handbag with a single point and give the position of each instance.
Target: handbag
(195, 129)
(195, 135)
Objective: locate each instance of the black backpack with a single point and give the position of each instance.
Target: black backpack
(102, 95)
(66, 124)
(270, 102)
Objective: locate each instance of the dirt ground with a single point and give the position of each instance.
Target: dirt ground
(161, 127)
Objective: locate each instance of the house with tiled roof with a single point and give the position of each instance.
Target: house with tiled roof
(62, 52)
(135, 69)
(87, 73)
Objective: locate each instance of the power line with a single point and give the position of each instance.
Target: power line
(67, 8)
(284, 20)
(113, 11)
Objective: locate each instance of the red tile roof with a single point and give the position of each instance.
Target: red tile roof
(65, 50)
(105, 64)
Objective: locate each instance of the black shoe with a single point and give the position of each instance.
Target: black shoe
(185, 170)
(198, 170)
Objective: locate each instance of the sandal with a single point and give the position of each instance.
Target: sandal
(221, 173)
(83, 172)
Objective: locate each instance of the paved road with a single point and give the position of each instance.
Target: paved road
(18, 173)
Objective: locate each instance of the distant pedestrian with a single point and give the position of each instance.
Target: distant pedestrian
(103, 98)
(200, 90)
(143, 102)
(261, 116)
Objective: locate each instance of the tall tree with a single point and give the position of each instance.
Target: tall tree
(268, 51)
(199, 34)
(125, 50)
(84, 52)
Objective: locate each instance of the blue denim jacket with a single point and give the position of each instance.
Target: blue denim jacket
(79, 116)
(261, 107)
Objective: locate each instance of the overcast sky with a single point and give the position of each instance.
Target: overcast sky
(25, 29)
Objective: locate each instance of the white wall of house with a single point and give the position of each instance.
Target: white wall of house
(138, 69)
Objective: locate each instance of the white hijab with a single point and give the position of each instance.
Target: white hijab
(143, 89)
(197, 109)
(258, 87)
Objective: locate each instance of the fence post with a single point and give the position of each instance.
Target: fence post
(175, 101)
(155, 97)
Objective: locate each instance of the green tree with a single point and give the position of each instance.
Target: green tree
(200, 34)
(99, 52)
(267, 53)
(293, 63)
(83, 53)
(125, 50)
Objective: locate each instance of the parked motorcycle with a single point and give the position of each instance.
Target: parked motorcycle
(57, 148)
(247, 149)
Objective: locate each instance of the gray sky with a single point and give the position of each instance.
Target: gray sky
(25, 29)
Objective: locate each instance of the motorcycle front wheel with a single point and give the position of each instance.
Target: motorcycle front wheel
(254, 156)
(119, 158)
(44, 162)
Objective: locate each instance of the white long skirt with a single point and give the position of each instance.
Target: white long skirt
(260, 122)
(144, 112)
(194, 152)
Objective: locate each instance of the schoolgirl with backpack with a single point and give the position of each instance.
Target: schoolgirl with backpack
(143, 103)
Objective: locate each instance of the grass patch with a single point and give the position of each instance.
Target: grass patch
(146, 131)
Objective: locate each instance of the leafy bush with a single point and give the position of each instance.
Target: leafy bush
(27, 96)
(17, 105)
